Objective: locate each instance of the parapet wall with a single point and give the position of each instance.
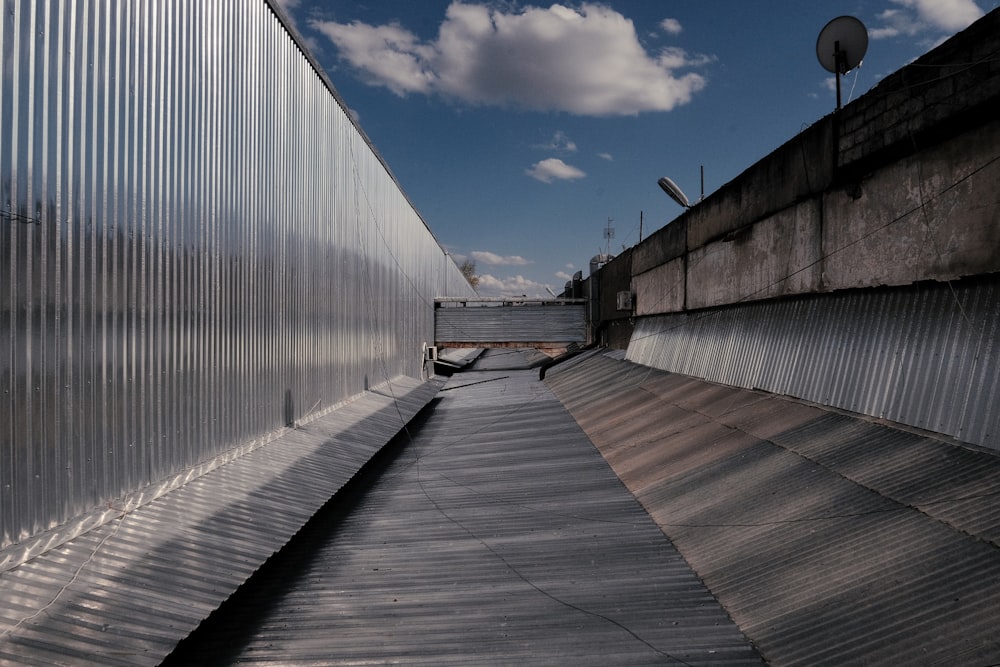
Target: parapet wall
(909, 194)
(942, 94)
(856, 266)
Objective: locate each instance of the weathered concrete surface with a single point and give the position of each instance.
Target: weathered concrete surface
(615, 325)
(779, 255)
(934, 215)
(661, 289)
(942, 94)
(612, 276)
(662, 246)
(899, 187)
(796, 170)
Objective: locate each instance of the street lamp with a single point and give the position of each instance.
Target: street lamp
(675, 192)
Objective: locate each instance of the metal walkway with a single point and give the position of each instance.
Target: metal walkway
(496, 535)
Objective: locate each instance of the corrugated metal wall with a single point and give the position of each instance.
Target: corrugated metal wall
(197, 246)
(926, 355)
(528, 323)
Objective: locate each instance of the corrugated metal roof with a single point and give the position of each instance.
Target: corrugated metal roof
(125, 593)
(830, 539)
(498, 535)
(926, 355)
(460, 357)
(509, 359)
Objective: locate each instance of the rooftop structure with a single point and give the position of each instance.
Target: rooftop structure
(220, 307)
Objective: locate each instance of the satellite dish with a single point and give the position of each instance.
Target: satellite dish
(842, 44)
(675, 192)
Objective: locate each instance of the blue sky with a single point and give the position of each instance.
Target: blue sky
(519, 129)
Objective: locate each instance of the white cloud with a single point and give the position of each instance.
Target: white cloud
(288, 6)
(494, 259)
(606, 156)
(948, 15)
(562, 275)
(894, 23)
(511, 286)
(921, 16)
(390, 53)
(671, 26)
(553, 169)
(560, 143)
(594, 62)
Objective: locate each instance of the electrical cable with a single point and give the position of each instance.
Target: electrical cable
(857, 72)
(926, 218)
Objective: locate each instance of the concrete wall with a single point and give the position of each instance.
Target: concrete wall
(934, 215)
(662, 288)
(942, 94)
(820, 271)
(910, 196)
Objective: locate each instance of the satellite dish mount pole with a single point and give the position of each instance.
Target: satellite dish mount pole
(841, 62)
(840, 47)
(848, 38)
(838, 59)
(838, 65)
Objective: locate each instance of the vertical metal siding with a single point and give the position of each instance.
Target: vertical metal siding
(525, 323)
(197, 245)
(927, 356)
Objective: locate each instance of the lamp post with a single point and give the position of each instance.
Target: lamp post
(673, 191)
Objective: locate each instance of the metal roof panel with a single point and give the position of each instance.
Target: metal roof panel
(829, 538)
(129, 590)
(497, 535)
